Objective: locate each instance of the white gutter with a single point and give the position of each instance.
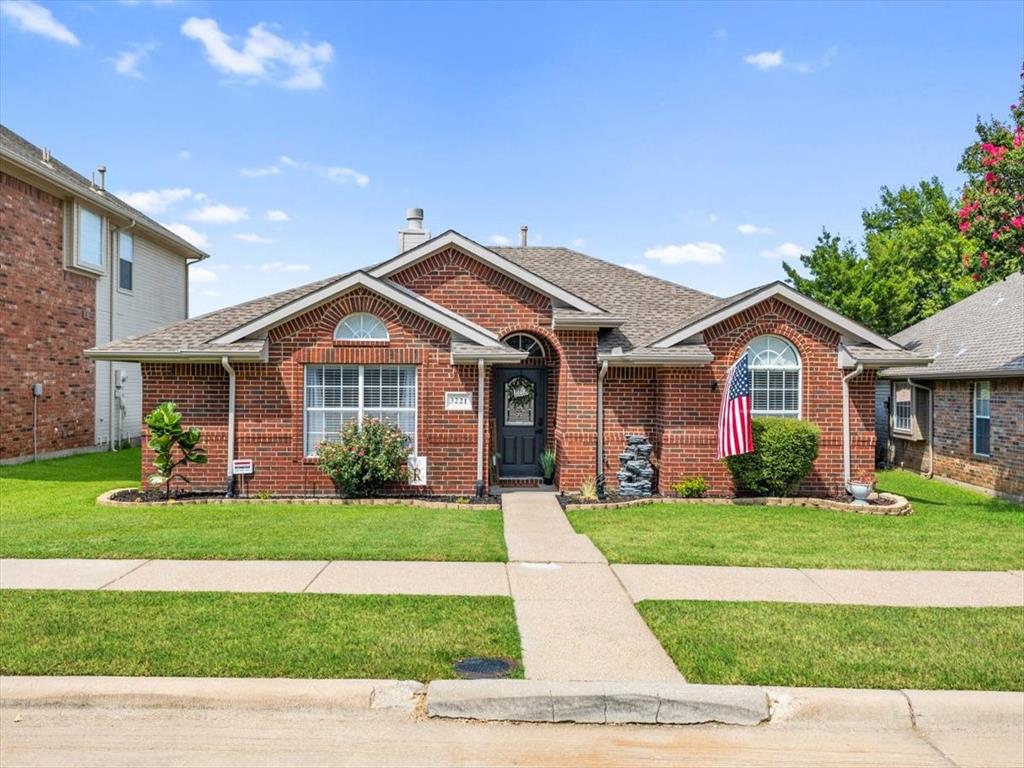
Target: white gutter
(846, 422)
(600, 423)
(231, 423)
(480, 427)
(931, 425)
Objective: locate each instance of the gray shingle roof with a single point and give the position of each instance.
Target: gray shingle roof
(983, 334)
(652, 307)
(28, 154)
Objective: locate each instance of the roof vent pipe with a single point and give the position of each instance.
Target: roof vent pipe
(413, 234)
(102, 171)
(522, 235)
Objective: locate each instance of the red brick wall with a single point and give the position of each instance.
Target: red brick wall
(269, 399)
(1003, 471)
(687, 409)
(47, 317)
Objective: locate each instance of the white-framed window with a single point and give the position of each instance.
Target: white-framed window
(339, 394)
(982, 418)
(361, 326)
(902, 408)
(524, 342)
(125, 260)
(774, 377)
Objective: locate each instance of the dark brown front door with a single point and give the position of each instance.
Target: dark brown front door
(520, 408)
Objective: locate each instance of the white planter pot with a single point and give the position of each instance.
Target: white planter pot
(860, 492)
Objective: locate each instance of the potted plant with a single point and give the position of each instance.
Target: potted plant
(860, 492)
(547, 466)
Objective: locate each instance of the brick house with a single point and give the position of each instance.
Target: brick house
(962, 417)
(486, 356)
(78, 267)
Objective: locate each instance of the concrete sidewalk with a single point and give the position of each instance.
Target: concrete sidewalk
(938, 589)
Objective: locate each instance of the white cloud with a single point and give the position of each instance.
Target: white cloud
(696, 253)
(250, 237)
(823, 62)
(721, 33)
(753, 229)
(275, 214)
(269, 170)
(579, 242)
(263, 55)
(127, 62)
(205, 275)
(765, 59)
(198, 239)
(499, 240)
(156, 200)
(220, 214)
(184, 154)
(785, 251)
(346, 174)
(37, 20)
(643, 269)
(282, 266)
(712, 218)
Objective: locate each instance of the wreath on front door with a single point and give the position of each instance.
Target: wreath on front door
(519, 392)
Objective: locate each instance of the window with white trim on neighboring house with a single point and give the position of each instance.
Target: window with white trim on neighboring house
(88, 238)
(982, 418)
(339, 394)
(903, 408)
(125, 260)
(774, 377)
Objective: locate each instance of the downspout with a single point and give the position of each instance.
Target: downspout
(846, 422)
(480, 427)
(931, 426)
(231, 425)
(600, 428)
(112, 438)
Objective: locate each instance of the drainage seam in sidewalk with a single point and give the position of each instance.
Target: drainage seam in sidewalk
(315, 576)
(819, 586)
(921, 734)
(123, 575)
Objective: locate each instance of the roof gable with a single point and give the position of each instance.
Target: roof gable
(727, 308)
(496, 261)
(416, 304)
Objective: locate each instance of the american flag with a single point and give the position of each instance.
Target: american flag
(735, 434)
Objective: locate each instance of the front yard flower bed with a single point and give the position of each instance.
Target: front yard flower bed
(133, 497)
(878, 503)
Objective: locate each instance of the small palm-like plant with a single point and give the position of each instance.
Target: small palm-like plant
(547, 465)
(166, 439)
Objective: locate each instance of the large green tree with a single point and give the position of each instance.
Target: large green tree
(909, 267)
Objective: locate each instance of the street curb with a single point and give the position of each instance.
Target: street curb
(273, 693)
(597, 702)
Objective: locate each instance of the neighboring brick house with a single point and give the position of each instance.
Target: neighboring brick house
(962, 417)
(485, 356)
(78, 267)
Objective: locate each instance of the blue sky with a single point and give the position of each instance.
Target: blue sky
(647, 135)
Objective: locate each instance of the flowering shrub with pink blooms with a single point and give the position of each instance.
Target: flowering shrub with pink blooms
(366, 459)
(992, 205)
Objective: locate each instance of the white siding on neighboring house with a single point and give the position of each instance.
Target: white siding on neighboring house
(157, 298)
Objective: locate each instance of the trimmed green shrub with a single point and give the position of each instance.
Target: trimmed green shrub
(547, 465)
(691, 487)
(784, 450)
(366, 459)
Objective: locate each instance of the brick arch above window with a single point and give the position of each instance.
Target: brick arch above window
(547, 339)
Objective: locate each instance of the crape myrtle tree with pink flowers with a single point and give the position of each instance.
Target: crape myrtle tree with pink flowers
(992, 205)
(924, 250)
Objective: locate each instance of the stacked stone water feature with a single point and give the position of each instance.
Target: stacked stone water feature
(636, 472)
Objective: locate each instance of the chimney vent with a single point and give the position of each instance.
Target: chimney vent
(522, 235)
(46, 155)
(102, 171)
(413, 234)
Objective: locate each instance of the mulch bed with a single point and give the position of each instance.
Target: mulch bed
(566, 499)
(158, 494)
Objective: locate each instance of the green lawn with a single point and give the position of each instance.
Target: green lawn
(950, 529)
(212, 634)
(846, 646)
(48, 510)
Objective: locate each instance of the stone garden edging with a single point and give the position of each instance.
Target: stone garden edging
(105, 501)
(900, 506)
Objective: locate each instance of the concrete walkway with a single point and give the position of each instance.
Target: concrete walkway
(576, 621)
(938, 589)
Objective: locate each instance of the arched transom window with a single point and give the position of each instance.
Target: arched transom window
(361, 326)
(774, 377)
(526, 343)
